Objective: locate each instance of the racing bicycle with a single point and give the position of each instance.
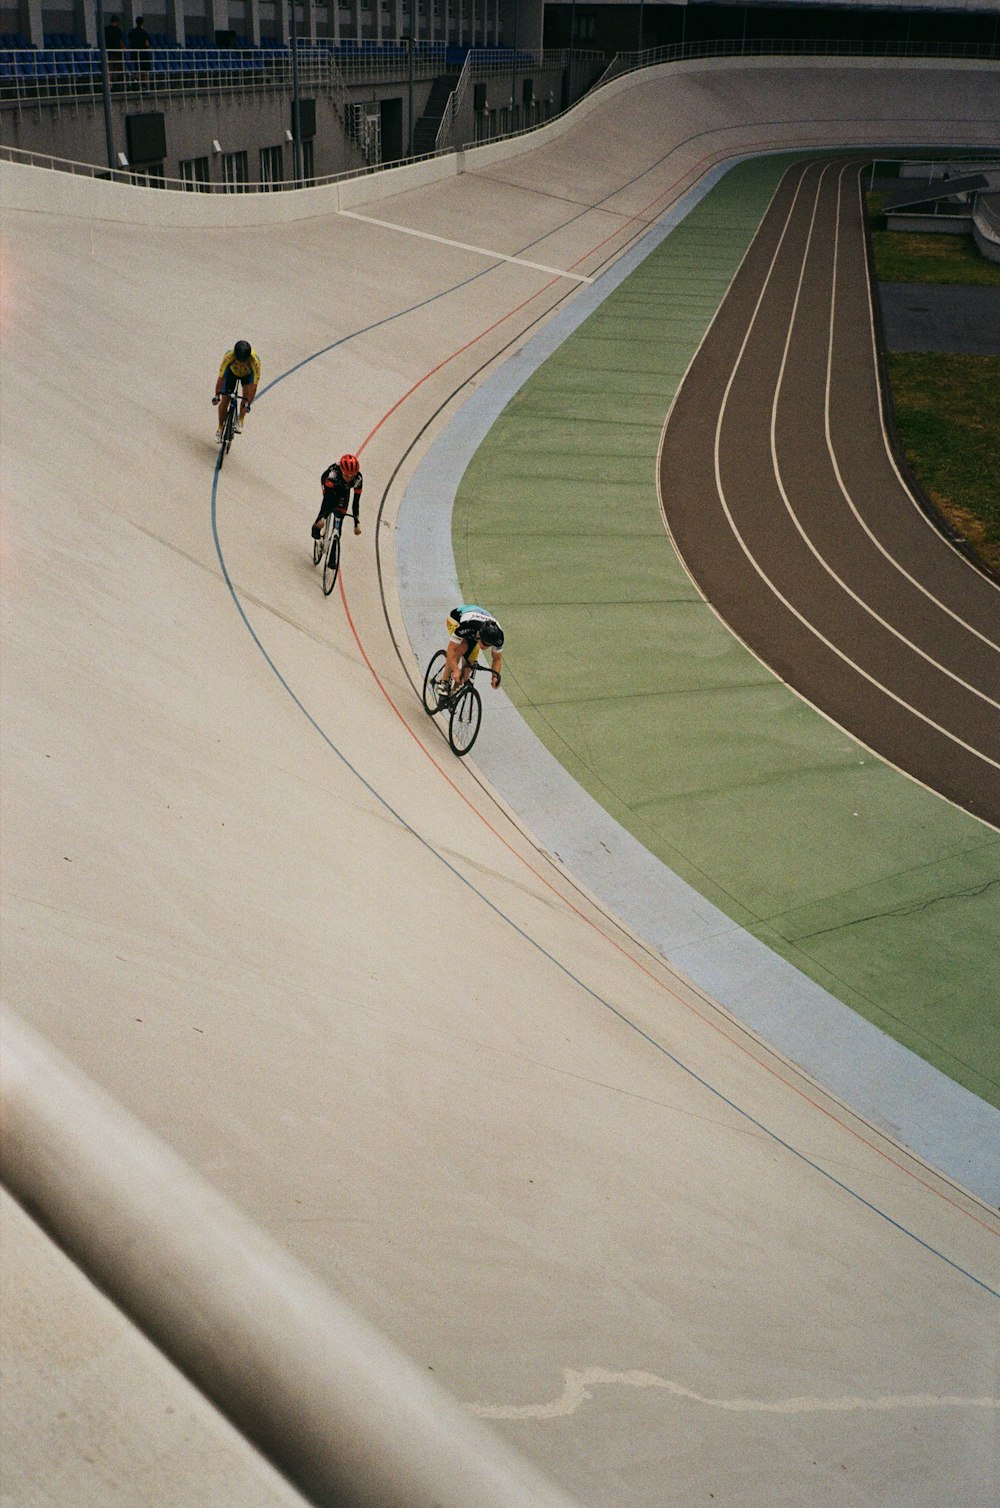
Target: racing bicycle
(229, 426)
(327, 550)
(463, 706)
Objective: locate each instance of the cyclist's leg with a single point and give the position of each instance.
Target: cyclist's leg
(458, 664)
(469, 658)
(453, 655)
(228, 386)
(246, 398)
(325, 509)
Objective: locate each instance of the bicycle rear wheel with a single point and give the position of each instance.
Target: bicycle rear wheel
(331, 564)
(226, 437)
(434, 669)
(466, 715)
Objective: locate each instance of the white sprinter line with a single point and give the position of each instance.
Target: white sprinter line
(779, 596)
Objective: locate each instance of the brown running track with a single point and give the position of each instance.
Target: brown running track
(782, 498)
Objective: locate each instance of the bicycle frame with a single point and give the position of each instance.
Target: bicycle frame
(229, 422)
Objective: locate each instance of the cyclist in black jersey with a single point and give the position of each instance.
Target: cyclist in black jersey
(471, 628)
(340, 479)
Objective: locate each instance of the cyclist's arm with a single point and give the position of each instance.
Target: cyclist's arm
(356, 499)
(495, 668)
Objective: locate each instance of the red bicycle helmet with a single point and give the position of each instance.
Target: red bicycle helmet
(349, 467)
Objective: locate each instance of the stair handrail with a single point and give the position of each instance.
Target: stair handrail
(455, 99)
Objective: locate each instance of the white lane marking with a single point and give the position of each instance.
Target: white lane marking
(889, 453)
(810, 627)
(479, 251)
(577, 1386)
(776, 464)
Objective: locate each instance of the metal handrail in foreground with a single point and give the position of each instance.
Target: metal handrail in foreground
(341, 1413)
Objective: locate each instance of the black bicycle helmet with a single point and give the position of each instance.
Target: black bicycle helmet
(241, 350)
(491, 634)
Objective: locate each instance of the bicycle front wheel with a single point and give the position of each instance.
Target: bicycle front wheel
(331, 564)
(227, 436)
(434, 669)
(466, 715)
(317, 550)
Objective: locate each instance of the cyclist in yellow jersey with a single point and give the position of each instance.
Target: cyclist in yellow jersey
(243, 364)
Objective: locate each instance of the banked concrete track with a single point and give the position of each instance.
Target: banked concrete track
(248, 898)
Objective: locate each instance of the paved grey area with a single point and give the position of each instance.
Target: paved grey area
(961, 319)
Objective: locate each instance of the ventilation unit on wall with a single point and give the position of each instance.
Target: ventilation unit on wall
(146, 136)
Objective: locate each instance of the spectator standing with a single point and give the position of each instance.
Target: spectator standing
(139, 41)
(114, 41)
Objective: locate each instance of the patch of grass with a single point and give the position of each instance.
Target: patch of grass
(904, 257)
(947, 419)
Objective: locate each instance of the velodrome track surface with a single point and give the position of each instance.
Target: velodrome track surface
(785, 503)
(245, 893)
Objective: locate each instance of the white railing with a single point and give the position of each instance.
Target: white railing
(323, 66)
(68, 75)
(146, 178)
(452, 106)
(484, 66)
(755, 47)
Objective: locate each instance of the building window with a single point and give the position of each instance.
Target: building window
(150, 175)
(308, 168)
(234, 171)
(272, 166)
(194, 172)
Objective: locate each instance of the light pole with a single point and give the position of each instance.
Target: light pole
(105, 85)
(513, 70)
(572, 34)
(296, 112)
(409, 85)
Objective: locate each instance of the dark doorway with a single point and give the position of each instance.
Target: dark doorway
(391, 127)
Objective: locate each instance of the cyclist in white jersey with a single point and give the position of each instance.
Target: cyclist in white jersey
(471, 628)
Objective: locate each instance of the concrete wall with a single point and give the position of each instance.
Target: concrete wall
(244, 123)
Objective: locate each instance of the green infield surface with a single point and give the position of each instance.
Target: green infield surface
(877, 889)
